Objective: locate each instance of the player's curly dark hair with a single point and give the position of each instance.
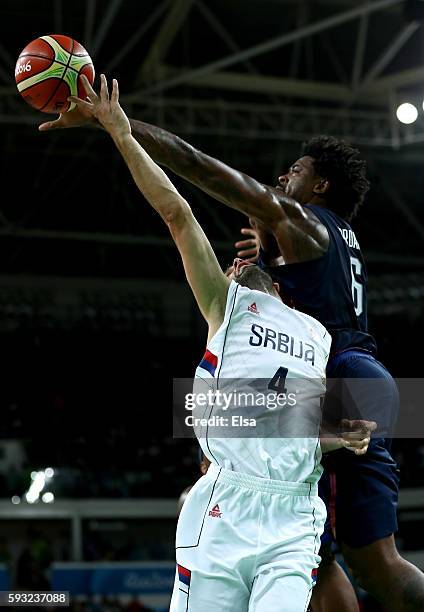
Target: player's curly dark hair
(338, 162)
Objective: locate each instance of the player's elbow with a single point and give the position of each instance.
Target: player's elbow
(176, 217)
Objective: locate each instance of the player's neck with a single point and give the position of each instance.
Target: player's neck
(318, 201)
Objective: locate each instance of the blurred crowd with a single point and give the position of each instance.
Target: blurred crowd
(110, 467)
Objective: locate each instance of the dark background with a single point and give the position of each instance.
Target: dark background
(95, 317)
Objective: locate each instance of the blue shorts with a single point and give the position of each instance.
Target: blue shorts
(361, 492)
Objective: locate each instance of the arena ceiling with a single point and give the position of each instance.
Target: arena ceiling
(246, 80)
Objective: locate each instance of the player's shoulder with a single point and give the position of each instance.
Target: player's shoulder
(310, 321)
(246, 293)
(275, 303)
(316, 331)
(327, 217)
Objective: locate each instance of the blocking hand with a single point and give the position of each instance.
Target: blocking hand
(106, 110)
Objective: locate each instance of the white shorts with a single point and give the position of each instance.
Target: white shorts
(247, 544)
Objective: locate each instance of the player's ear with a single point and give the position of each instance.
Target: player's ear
(276, 287)
(321, 187)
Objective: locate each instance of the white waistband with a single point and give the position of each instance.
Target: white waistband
(263, 485)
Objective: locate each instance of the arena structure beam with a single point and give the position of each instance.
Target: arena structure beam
(266, 121)
(170, 26)
(402, 78)
(112, 8)
(361, 44)
(218, 27)
(302, 15)
(244, 121)
(386, 57)
(380, 64)
(164, 242)
(292, 87)
(392, 106)
(138, 34)
(284, 39)
(301, 21)
(375, 93)
(334, 59)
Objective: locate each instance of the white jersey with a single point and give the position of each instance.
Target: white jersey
(281, 355)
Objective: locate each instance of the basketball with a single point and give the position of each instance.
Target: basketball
(47, 72)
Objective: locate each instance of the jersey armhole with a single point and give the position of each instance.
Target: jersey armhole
(229, 307)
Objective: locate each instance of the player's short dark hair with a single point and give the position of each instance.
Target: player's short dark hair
(254, 277)
(339, 163)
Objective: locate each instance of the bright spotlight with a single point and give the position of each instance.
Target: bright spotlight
(407, 113)
(16, 499)
(36, 487)
(48, 498)
(38, 484)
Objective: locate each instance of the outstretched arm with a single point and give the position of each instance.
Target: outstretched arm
(299, 234)
(206, 279)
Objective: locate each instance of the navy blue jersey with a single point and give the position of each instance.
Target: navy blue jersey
(332, 288)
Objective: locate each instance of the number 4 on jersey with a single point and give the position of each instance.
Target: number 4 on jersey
(278, 381)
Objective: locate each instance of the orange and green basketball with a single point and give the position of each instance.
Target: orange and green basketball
(47, 72)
